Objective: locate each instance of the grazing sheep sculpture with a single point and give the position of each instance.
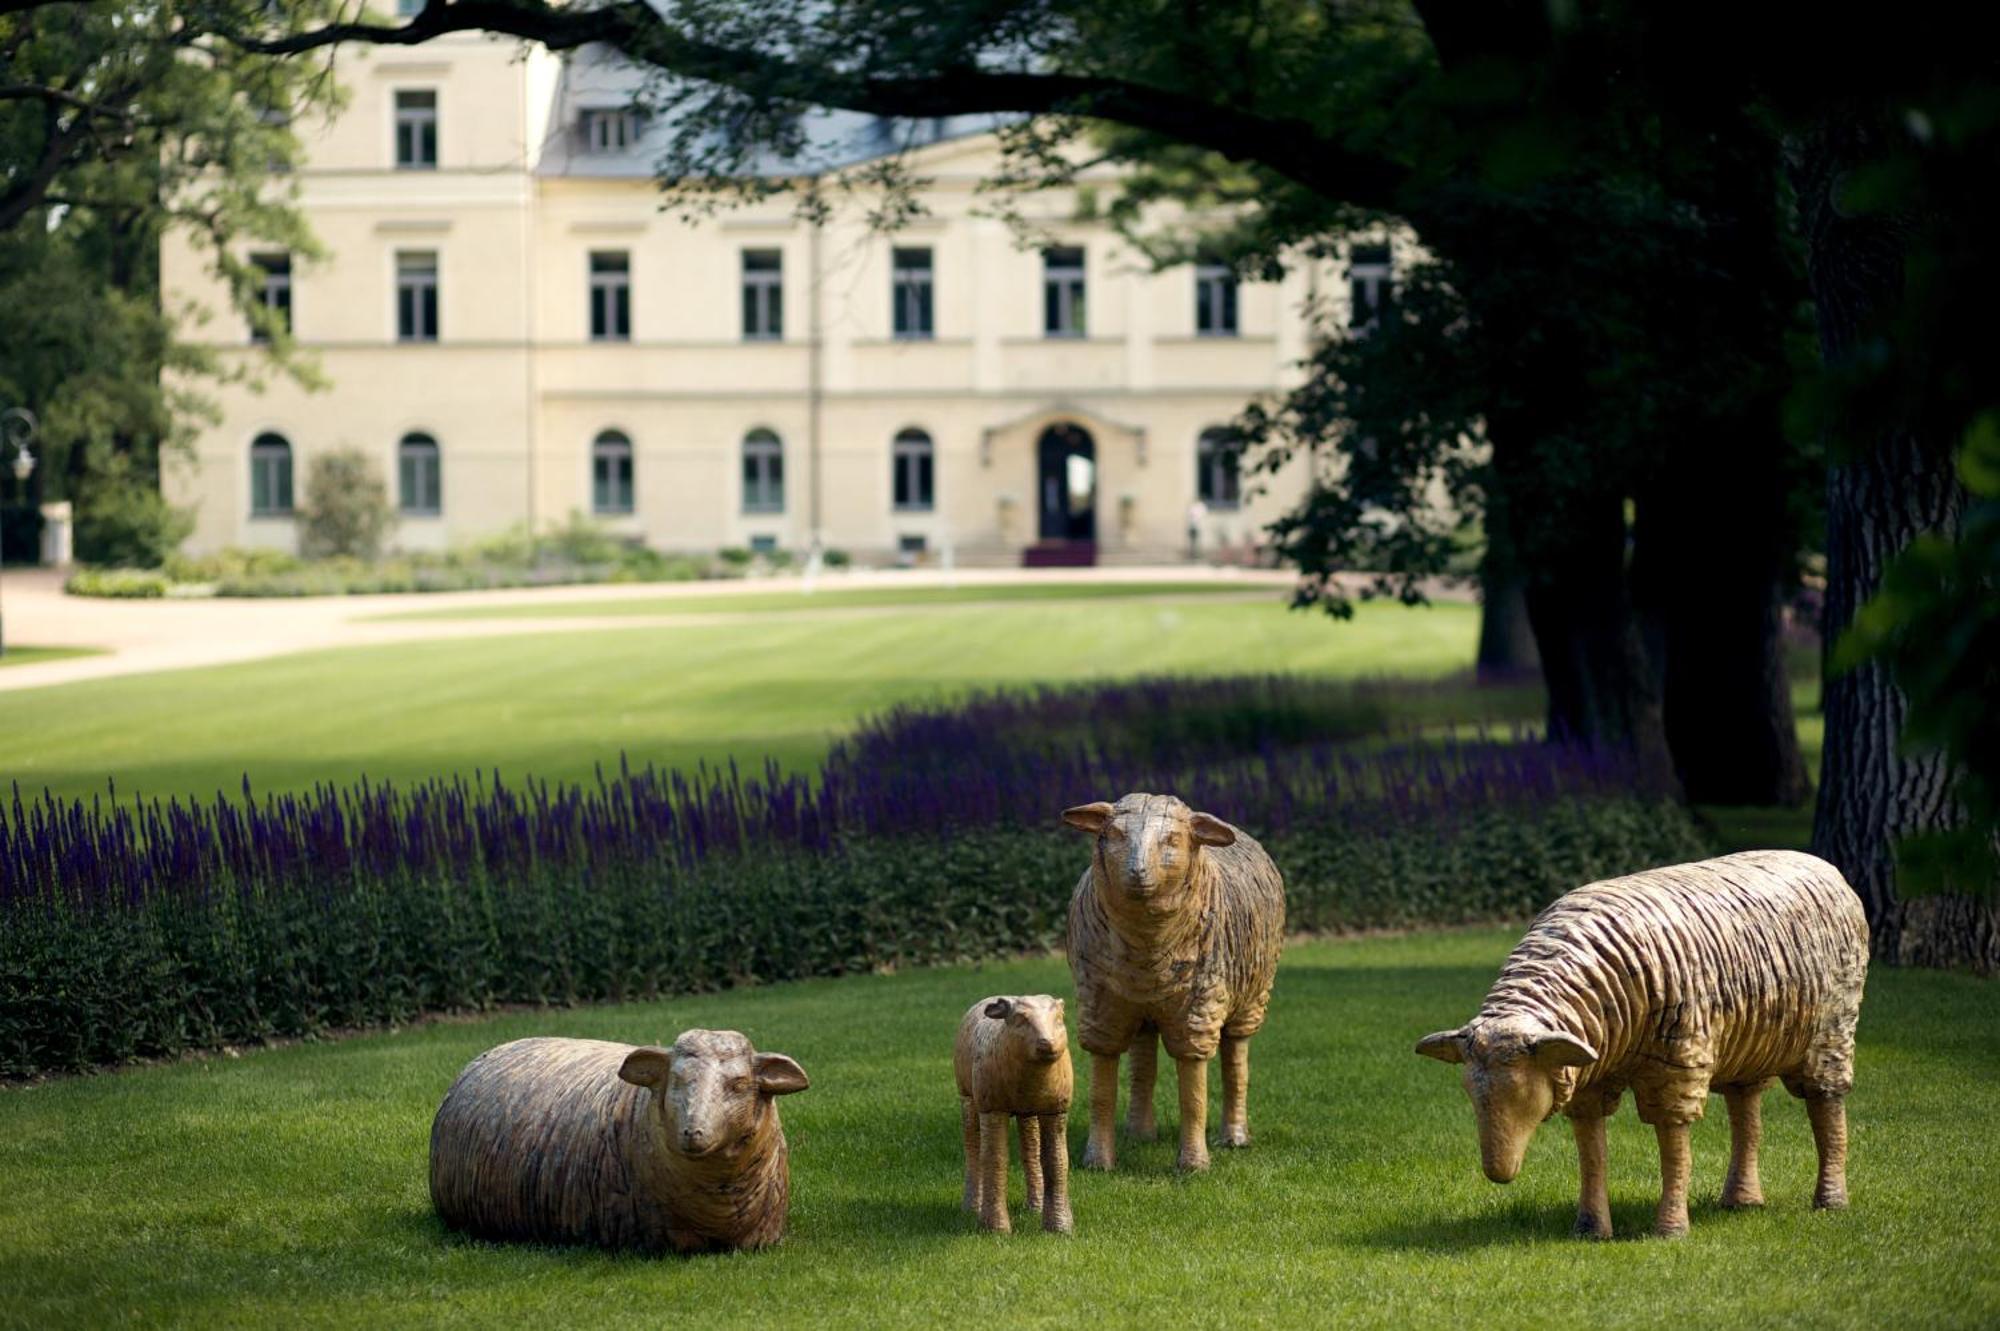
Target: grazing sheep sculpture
(1012, 1061)
(1174, 933)
(1723, 975)
(585, 1141)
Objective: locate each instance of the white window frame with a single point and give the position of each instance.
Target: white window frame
(1370, 287)
(763, 296)
(613, 446)
(268, 450)
(1216, 295)
(607, 129)
(1218, 470)
(425, 499)
(610, 295)
(412, 282)
(422, 124)
(763, 452)
(913, 293)
(276, 266)
(913, 469)
(1065, 291)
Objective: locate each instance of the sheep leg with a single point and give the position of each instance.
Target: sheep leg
(1829, 1124)
(1139, 1119)
(1030, 1128)
(1099, 1151)
(1593, 1207)
(969, 1121)
(993, 1172)
(1742, 1186)
(1671, 1221)
(1235, 1091)
(1056, 1216)
(1194, 1113)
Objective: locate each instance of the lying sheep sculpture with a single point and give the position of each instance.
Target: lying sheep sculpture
(1723, 975)
(585, 1141)
(1174, 932)
(1012, 1061)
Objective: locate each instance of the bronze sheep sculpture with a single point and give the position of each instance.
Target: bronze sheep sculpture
(1174, 935)
(1012, 1061)
(1719, 976)
(585, 1141)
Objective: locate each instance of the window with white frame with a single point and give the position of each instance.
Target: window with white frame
(913, 462)
(1214, 299)
(1062, 291)
(1370, 288)
(910, 293)
(417, 129)
(1217, 469)
(416, 295)
(275, 295)
(608, 129)
(611, 474)
(763, 295)
(610, 295)
(270, 476)
(763, 472)
(419, 476)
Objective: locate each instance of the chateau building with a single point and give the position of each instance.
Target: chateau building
(508, 321)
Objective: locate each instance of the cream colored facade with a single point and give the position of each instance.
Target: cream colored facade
(515, 389)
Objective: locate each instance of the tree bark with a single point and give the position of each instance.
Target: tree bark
(1506, 638)
(1878, 498)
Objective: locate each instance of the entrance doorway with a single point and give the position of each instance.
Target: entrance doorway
(1067, 483)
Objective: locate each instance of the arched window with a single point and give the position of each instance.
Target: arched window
(1216, 479)
(913, 463)
(611, 474)
(270, 476)
(419, 476)
(763, 472)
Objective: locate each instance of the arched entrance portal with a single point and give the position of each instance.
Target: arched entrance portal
(1066, 483)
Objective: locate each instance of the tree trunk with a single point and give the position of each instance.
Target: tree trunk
(1879, 496)
(1506, 638)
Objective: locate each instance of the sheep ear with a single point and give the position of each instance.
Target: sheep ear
(646, 1067)
(1089, 818)
(998, 1009)
(778, 1075)
(1561, 1051)
(1444, 1046)
(1211, 831)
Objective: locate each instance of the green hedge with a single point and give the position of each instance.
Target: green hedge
(81, 988)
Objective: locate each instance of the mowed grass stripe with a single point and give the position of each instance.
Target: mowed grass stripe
(558, 704)
(289, 1185)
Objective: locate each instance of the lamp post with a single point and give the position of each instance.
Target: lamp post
(18, 427)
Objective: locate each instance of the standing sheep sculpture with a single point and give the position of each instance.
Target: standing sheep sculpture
(1174, 934)
(585, 1141)
(1012, 1061)
(1723, 975)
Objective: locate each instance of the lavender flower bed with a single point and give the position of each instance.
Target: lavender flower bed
(930, 835)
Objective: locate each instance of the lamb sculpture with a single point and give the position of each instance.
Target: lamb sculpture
(1174, 934)
(585, 1141)
(1012, 1061)
(1723, 975)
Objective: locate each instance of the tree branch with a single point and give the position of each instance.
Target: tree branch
(1292, 148)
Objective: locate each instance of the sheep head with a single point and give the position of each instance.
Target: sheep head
(711, 1089)
(1148, 848)
(1031, 1026)
(1516, 1075)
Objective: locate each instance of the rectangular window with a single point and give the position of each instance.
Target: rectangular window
(610, 295)
(910, 293)
(912, 545)
(416, 130)
(608, 129)
(763, 295)
(764, 545)
(1369, 288)
(611, 478)
(276, 296)
(416, 295)
(1062, 291)
(1214, 300)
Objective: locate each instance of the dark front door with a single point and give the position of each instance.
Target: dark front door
(1067, 484)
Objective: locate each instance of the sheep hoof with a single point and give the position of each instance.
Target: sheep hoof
(1589, 1226)
(1830, 1199)
(1734, 1199)
(1192, 1161)
(1235, 1137)
(1672, 1229)
(1097, 1157)
(1059, 1222)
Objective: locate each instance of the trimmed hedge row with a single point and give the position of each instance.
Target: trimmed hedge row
(83, 984)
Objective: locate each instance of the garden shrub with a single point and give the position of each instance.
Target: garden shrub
(122, 519)
(123, 583)
(128, 932)
(346, 507)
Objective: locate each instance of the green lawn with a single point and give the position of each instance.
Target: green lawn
(556, 703)
(14, 656)
(836, 597)
(288, 1186)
